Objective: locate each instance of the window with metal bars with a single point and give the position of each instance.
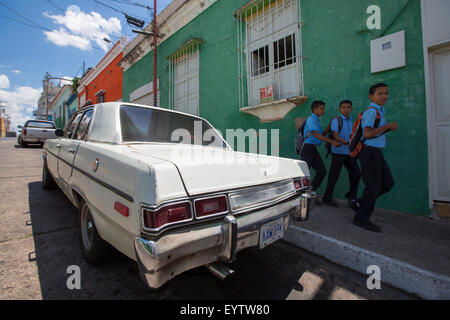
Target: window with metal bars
(184, 78)
(269, 50)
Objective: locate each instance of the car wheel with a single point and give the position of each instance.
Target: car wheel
(47, 180)
(23, 143)
(94, 249)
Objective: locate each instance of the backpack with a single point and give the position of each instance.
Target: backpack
(357, 137)
(331, 136)
(300, 139)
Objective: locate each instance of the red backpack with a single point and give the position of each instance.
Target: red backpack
(357, 137)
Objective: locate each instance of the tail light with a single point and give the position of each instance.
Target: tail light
(302, 183)
(207, 207)
(166, 215)
(306, 183)
(25, 132)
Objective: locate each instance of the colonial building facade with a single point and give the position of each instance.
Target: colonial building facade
(259, 64)
(104, 82)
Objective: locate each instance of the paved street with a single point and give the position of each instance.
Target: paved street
(39, 241)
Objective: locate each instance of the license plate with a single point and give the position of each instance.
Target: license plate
(271, 232)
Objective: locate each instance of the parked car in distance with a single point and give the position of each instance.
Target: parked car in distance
(165, 189)
(37, 131)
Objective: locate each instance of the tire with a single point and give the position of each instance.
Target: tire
(23, 143)
(94, 249)
(48, 182)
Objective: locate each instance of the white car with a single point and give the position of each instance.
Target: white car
(165, 189)
(37, 131)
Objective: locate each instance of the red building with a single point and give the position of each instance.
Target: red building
(104, 82)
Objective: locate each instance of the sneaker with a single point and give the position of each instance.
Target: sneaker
(318, 202)
(353, 204)
(330, 203)
(367, 225)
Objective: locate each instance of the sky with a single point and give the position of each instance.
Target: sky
(57, 36)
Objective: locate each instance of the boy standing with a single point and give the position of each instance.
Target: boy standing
(313, 135)
(341, 156)
(376, 174)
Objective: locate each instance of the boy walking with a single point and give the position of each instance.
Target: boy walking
(376, 174)
(341, 157)
(314, 135)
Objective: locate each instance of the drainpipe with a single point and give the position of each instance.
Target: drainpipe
(155, 79)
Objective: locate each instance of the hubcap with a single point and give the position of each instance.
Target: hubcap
(87, 227)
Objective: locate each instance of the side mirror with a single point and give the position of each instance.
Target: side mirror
(59, 132)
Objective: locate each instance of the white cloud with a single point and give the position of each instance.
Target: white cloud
(62, 38)
(16, 71)
(4, 82)
(80, 29)
(20, 102)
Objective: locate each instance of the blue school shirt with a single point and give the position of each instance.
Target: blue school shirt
(345, 133)
(368, 120)
(312, 124)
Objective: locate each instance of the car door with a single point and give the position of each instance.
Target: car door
(54, 147)
(69, 146)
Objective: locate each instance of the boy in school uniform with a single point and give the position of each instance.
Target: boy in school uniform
(341, 157)
(376, 173)
(314, 135)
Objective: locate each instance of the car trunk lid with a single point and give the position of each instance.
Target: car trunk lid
(207, 169)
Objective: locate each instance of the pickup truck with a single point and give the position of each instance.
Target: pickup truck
(36, 131)
(165, 189)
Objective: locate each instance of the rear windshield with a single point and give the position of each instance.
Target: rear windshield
(151, 125)
(39, 124)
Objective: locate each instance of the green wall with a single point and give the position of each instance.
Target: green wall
(336, 66)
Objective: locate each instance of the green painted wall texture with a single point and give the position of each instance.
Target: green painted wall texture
(336, 66)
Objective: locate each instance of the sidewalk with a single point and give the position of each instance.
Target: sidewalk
(413, 253)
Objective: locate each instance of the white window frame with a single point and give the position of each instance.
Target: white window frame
(258, 13)
(187, 58)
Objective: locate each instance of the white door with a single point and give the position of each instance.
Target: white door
(440, 97)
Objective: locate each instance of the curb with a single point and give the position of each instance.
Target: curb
(412, 279)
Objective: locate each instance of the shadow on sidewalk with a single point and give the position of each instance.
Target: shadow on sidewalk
(272, 273)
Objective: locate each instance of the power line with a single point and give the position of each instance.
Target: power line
(56, 6)
(117, 10)
(133, 4)
(24, 23)
(38, 26)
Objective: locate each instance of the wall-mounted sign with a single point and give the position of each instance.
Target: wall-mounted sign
(266, 95)
(388, 52)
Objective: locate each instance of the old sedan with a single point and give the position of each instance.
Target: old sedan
(165, 189)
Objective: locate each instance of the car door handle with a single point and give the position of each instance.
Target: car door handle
(71, 150)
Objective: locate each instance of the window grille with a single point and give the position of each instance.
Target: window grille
(184, 78)
(269, 50)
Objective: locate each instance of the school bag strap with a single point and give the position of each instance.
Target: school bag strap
(330, 134)
(375, 125)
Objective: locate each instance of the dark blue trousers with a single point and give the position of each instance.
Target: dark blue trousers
(377, 179)
(354, 175)
(311, 156)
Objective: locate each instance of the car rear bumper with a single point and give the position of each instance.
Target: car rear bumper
(34, 140)
(161, 260)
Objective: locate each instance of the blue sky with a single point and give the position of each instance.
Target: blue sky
(57, 36)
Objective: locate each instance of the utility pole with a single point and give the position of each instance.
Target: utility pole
(155, 44)
(155, 34)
